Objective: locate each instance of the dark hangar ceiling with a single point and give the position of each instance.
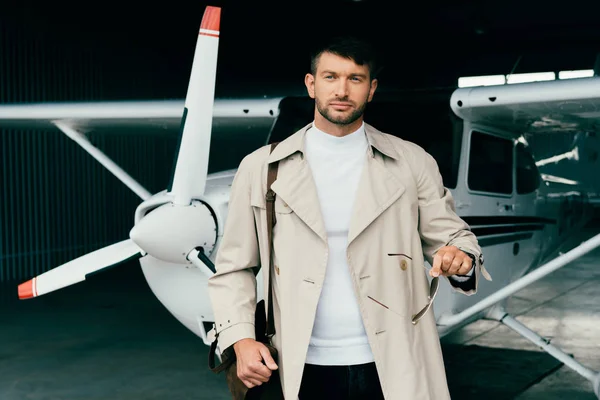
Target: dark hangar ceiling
(424, 44)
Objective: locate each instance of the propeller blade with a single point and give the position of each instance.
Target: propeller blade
(191, 167)
(76, 270)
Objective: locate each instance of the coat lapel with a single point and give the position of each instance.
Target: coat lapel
(296, 187)
(378, 188)
(295, 184)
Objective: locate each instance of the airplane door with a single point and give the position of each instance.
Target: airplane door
(489, 178)
(487, 203)
(529, 223)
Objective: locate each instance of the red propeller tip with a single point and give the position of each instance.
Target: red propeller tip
(211, 19)
(26, 290)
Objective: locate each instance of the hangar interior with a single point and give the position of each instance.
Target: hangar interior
(109, 337)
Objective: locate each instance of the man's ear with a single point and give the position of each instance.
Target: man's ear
(309, 81)
(374, 83)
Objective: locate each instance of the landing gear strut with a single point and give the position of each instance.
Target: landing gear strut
(498, 314)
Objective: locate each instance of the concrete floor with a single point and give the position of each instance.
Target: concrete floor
(563, 307)
(109, 338)
(105, 338)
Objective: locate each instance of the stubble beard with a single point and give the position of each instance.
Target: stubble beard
(341, 119)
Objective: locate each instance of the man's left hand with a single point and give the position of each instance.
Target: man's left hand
(450, 260)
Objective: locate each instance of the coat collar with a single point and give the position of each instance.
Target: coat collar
(295, 143)
(378, 188)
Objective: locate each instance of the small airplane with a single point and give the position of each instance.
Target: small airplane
(477, 135)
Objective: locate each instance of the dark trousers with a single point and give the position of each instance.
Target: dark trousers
(340, 382)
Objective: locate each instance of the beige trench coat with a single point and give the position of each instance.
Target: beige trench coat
(401, 208)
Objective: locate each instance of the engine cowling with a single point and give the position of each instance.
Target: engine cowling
(170, 232)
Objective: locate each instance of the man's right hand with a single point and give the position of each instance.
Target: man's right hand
(254, 362)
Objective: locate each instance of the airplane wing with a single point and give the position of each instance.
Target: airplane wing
(544, 112)
(568, 105)
(152, 115)
(238, 125)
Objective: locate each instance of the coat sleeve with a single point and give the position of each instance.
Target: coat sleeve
(232, 289)
(440, 226)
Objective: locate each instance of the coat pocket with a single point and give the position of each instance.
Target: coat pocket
(387, 306)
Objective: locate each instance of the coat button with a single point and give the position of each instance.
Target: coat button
(403, 265)
(277, 269)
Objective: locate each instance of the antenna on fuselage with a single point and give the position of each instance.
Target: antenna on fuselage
(514, 68)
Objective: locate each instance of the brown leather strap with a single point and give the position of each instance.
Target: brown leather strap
(226, 359)
(271, 221)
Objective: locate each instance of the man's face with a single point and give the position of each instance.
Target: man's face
(341, 88)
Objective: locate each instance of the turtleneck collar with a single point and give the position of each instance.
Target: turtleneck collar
(356, 139)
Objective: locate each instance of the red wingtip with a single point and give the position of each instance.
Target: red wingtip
(211, 19)
(26, 290)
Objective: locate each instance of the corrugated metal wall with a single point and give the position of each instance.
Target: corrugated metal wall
(57, 202)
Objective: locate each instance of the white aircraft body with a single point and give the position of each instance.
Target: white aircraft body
(520, 216)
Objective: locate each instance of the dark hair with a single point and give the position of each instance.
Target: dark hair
(351, 47)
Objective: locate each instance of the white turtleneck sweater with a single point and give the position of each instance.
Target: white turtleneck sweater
(338, 336)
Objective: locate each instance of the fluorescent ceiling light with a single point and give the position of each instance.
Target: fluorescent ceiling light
(532, 77)
(582, 73)
(489, 80)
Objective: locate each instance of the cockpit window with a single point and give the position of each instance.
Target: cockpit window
(490, 164)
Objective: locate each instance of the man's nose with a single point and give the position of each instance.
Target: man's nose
(341, 89)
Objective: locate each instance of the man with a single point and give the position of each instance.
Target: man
(358, 212)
